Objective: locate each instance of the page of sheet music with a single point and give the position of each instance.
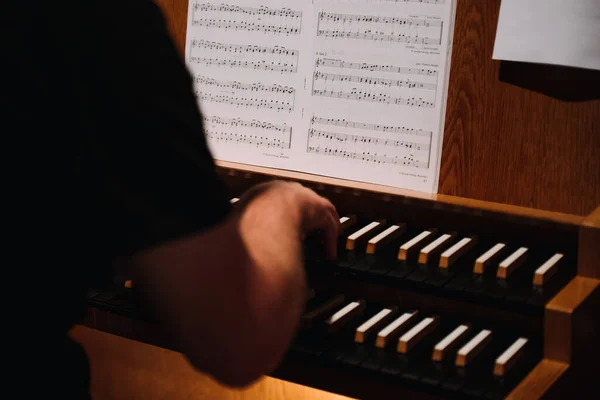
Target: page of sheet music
(352, 89)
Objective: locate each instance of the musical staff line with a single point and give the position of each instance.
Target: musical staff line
(362, 95)
(372, 127)
(406, 161)
(254, 95)
(367, 80)
(263, 58)
(249, 19)
(250, 132)
(335, 63)
(256, 65)
(343, 138)
(379, 28)
(252, 87)
(249, 11)
(241, 138)
(377, 36)
(235, 48)
(271, 104)
(368, 148)
(373, 19)
(254, 123)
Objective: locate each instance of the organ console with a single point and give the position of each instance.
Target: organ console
(475, 293)
(449, 298)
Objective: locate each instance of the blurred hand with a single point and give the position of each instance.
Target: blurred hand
(314, 212)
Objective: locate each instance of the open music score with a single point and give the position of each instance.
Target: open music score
(362, 83)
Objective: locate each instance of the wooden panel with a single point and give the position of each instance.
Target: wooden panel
(589, 250)
(126, 369)
(511, 145)
(503, 143)
(540, 381)
(570, 317)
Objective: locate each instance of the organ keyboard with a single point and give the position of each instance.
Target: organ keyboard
(440, 297)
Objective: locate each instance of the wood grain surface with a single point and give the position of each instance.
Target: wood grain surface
(126, 369)
(503, 143)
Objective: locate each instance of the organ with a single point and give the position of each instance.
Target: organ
(453, 298)
(487, 290)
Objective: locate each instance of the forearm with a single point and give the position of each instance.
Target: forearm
(232, 295)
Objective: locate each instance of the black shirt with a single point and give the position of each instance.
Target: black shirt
(107, 157)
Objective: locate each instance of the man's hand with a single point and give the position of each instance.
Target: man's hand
(232, 296)
(313, 212)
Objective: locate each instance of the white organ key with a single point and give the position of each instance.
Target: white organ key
(470, 350)
(450, 342)
(510, 357)
(546, 270)
(384, 237)
(487, 258)
(340, 317)
(347, 222)
(373, 323)
(416, 333)
(308, 318)
(400, 325)
(412, 244)
(432, 248)
(360, 234)
(234, 200)
(450, 256)
(512, 262)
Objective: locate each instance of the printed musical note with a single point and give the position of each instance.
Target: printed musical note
(260, 58)
(372, 127)
(342, 138)
(255, 94)
(379, 28)
(251, 19)
(361, 95)
(237, 122)
(253, 132)
(367, 145)
(364, 80)
(370, 81)
(375, 158)
(337, 63)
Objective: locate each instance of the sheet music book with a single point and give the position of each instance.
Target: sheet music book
(558, 32)
(352, 89)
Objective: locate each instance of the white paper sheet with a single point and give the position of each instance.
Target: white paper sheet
(558, 32)
(353, 89)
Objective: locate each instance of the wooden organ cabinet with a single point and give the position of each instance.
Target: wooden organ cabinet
(489, 289)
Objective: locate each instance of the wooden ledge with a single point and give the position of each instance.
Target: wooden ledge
(589, 246)
(539, 381)
(571, 319)
(128, 369)
(505, 209)
(573, 295)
